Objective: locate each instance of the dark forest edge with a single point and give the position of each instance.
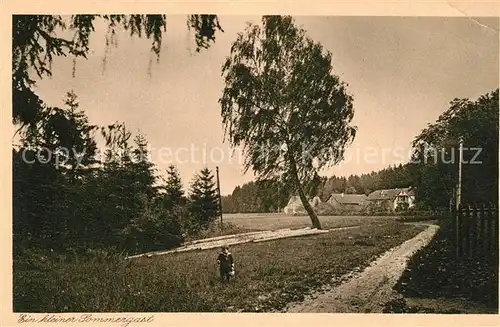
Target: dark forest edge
(92, 204)
(119, 202)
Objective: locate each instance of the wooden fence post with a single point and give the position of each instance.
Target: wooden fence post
(472, 228)
(482, 235)
(478, 213)
(468, 229)
(494, 218)
(490, 217)
(464, 230)
(476, 231)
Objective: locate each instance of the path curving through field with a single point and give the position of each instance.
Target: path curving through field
(371, 289)
(259, 236)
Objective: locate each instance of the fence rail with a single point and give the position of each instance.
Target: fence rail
(476, 230)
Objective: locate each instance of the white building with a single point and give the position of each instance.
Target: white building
(295, 206)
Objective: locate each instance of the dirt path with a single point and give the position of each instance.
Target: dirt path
(214, 242)
(370, 289)
(259, 236)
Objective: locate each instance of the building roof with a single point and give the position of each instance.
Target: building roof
(357, 199)
(389, 194)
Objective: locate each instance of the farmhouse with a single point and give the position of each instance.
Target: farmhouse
(295, 206)
(393, 198)
(347, 201)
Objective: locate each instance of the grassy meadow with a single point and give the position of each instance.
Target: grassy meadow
(268, 275)
(272, 221)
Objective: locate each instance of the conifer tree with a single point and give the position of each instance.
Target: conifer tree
(174, 194)
(203, 199)
(144, 169)
(81, 155)
(176, 218)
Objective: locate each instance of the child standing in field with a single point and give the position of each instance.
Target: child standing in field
(226, 264)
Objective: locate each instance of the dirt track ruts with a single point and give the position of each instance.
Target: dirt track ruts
(371, 289)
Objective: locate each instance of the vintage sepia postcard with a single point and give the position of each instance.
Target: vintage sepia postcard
(166, 162)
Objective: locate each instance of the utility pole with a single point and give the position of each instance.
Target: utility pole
(459, 184)
(459, 196)
(453, 198)
(218, 193)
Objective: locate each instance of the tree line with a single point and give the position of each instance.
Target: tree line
(432, 172)
(75, 200)
(65, 197)
(269, 196)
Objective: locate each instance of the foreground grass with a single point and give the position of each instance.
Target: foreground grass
(436, 282)
(269, 275)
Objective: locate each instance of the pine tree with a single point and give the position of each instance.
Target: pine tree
(203, 199)
(145, 228)
(80, 138)
(144, 170)
(49, 197)
(175, 215)
(122, 204)
(174, 194)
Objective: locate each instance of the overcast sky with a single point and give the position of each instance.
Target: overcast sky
(402, 72)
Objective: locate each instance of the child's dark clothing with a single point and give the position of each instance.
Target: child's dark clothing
(225, 260)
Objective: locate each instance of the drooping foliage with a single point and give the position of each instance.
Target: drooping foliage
(38, 39)
(284, 106)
